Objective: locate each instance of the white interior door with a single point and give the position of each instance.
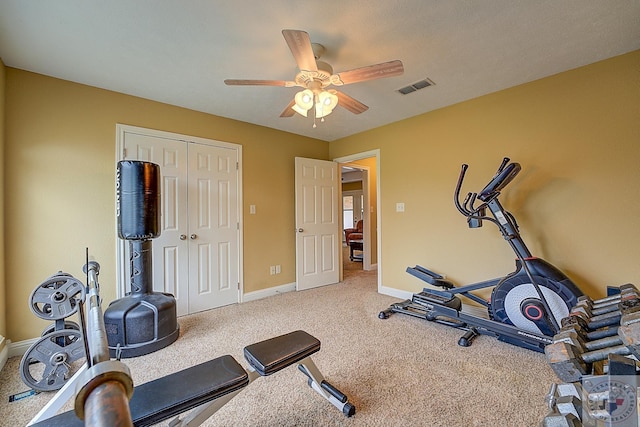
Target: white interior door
(213, 227)
(317, 223)
(196, 257)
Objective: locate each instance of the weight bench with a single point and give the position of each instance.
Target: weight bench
(207, 387)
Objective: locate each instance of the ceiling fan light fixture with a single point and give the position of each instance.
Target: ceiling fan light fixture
(327, 101)
(299, 110)
(303, 102)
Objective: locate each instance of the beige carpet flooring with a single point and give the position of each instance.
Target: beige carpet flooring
(401, 371)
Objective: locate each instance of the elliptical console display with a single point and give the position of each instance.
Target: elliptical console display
(526, 306)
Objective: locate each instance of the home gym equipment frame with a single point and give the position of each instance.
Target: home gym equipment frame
(526, 306)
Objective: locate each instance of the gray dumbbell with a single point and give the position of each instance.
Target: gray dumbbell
(565, 405)
(570, 357)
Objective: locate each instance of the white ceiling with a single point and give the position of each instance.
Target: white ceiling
(180, 52)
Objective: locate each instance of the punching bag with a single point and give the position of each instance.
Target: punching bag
(144, 321)
(138, 200)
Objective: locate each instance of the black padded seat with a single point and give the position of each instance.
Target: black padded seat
(174, 394)
(270, 356)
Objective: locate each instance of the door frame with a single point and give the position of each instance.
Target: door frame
(346, 160)
(121, 131)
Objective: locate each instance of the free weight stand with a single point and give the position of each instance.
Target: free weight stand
(49, 362)
(102, 386)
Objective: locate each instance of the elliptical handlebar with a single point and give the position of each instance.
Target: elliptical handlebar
(505, 174)
(467, 207)
(456, 195)
(504, 163)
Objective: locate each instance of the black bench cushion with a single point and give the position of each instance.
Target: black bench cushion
(174, 394)
(272, 355)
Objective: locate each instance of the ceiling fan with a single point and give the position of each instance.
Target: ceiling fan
(315, 76)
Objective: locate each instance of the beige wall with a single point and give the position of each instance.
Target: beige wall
(59, 166)
(352, 186)
(577, 137)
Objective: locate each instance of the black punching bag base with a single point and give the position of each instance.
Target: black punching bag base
(140, 324)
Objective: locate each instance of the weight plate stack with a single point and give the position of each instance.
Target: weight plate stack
(55, 357)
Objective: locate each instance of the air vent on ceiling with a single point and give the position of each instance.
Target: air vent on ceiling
(416, 86)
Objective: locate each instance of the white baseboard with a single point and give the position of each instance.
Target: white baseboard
(395, 292)
(20, 348)
(373, 267)
(17, 349)
(4, 354)
(269, 292)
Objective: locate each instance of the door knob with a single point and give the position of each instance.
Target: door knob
(300, 230)
(183, 237)
(193, 237)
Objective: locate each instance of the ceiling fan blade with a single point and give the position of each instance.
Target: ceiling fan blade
(288, 112)
(300, 46)
(371, 72)
(349, 103)
(232, 82)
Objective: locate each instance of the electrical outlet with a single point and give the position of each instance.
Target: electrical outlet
(272, 270)
(278, 269)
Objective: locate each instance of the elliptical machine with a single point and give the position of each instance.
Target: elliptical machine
(526, 306)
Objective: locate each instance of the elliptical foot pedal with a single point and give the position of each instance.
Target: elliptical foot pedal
(428, 299)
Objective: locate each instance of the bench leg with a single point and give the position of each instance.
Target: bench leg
(317, 382)
(61, 397)
(203, 412)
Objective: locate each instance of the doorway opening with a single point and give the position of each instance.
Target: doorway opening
(353, 206)
(360, 192)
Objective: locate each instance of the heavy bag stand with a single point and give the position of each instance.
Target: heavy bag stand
(143, 321)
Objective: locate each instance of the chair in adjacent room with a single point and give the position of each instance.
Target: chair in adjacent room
(353, 233)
